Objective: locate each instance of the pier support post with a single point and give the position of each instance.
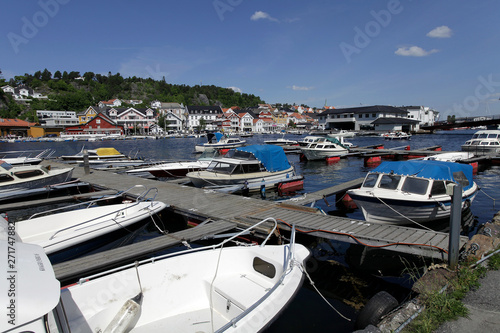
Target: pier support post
(86, 166)
(455, 221)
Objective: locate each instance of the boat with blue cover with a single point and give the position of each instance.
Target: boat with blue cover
(248, 165)
(412, 191)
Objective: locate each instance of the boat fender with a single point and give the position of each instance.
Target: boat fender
(127, 317)
(377, 307)
(311, 265)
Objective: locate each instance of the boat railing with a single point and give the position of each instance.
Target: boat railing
(140, 198)
(114, 212)
(190, 250)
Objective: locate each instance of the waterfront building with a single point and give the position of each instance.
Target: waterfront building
(49, 118)
(133, 120)
(210, 115)
(99, 126)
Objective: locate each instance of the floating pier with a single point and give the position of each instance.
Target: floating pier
(239, 211)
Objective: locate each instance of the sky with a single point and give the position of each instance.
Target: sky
(440, 54)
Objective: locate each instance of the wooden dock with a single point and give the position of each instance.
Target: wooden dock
(242, 211)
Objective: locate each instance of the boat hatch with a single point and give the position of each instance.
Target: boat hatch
(5, 165)
(415, 185)
(263, 267)
(28, 173)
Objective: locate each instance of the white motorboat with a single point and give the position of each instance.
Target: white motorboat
(324, 147)
(483, 142)
(25, 157)
(396, 136)
(403, 192)
(214, 288)
(250, 164)
(282, 142)
(450, 157)
(75, 232)
(26, 177)
(219, 141)
(342, 133)
(178, 168)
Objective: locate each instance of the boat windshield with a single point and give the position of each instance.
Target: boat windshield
(370, 180)
(222, 167)
(415, 185)
(389, 182)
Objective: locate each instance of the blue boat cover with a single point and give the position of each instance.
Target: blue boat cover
(440, 170)
(272, 157)
(218, 136)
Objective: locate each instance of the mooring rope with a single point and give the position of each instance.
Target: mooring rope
(303, 269)
(406, 217)
(489, 196)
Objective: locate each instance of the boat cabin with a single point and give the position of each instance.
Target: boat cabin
(236, 162)
(6, 175)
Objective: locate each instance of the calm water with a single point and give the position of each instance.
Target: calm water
(337, 272)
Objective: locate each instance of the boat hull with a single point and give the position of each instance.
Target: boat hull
(321, 154)
(193, 292)
(214, 146)
(400, 211)
(206, 178)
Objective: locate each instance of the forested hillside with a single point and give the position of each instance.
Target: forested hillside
(75, 92)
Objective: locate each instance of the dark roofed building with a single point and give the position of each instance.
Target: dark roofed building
(358, 118)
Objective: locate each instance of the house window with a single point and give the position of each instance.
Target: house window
(98, 121)
(361, 116)
(374, 115)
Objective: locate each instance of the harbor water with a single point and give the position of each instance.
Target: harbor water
(342, 280)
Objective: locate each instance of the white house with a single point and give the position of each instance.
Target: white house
(113, 103)
(155, 104)
(175, 122)
(246, 122)
(8, 89)
(424, 114)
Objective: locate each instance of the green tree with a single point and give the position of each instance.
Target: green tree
(46, 75)
(58, 75)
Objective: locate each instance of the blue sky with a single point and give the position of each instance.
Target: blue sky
(442, 54)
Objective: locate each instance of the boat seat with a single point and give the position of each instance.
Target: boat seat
(243, 290)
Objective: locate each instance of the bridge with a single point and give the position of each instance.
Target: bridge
(466, 122)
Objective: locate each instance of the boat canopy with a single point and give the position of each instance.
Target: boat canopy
(335, 141)
(440, 170)
(107, 151)
(216, 135)
(272, 157)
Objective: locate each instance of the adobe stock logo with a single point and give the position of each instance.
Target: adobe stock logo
(222, 6)
(372, 29)
(30, 28)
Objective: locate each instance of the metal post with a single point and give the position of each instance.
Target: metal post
(455, 222)
(86, 166)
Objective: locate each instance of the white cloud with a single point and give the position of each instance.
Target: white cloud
(294, 87)
(235, 89)
(259, 15)
(414, 51)
(440, 32)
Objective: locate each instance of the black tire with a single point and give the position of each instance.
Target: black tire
(378, 306)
